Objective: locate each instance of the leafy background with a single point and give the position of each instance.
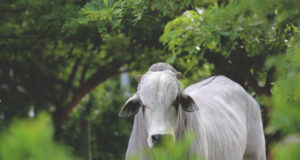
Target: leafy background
(60, 66)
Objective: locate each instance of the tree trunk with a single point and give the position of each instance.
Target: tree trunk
(85, 129)
(62, 113)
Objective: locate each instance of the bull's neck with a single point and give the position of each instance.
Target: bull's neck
(189, 123)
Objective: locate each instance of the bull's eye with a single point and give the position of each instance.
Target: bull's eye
(176, 103)
(143, 106)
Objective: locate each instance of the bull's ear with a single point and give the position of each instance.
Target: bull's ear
(131, 107)
(188, 104)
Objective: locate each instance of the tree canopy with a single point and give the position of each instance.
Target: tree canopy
(54, 53)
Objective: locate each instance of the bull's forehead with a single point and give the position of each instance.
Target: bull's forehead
(158, 89)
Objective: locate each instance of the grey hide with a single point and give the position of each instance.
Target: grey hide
(224, 117)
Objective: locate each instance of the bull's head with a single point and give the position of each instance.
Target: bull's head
(160, 97)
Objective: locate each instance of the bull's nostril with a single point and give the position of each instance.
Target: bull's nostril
(156, 138)
(161, 139)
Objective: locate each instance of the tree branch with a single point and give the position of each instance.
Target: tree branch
(85, 68)
(99, 76)
(54, 48)
(269, 78)
(71, 79)
(87, 64)
(248, 77)
(42, 35)
(71, 51)
(74, 70)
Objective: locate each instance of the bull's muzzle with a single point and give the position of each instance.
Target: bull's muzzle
(159, 139)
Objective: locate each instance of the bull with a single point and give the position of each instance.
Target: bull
(225, 119)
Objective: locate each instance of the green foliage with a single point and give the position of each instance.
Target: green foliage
(118, 12)
(283, 10)
(53, 53)
(228, 29)
(243, 35)
(109, 133)
(37, 55)
(32, 139)
(287, 151)
(236, 37)
(286, 102)
(286, 93)
(51, 50)
(170, 151)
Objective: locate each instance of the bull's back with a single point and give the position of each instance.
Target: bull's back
(223, 116)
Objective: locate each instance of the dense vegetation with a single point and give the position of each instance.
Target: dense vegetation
(64, 58)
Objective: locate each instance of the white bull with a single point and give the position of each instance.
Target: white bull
(224, 117)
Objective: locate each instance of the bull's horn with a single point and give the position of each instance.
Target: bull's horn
(178, 75)
(138, 78)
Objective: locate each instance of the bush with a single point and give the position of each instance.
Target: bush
(32, 139)
(169, 151)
